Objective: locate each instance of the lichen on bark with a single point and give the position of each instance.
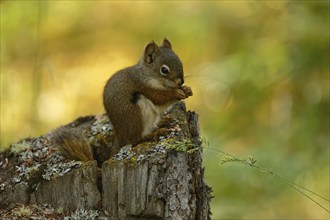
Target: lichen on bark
(161, 179)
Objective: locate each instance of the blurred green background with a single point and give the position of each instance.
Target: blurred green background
(259, 71)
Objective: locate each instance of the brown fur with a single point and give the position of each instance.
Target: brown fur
(72, 144)
(127, 92)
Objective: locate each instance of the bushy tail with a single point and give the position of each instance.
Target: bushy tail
(72, 144)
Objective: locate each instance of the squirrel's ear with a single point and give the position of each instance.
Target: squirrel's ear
(167, 43)
(151, 51)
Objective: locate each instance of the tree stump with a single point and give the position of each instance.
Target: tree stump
(162, 179)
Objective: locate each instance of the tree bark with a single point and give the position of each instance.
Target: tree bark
(162, 179)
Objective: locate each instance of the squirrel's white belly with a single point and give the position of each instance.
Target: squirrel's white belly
(151, 113)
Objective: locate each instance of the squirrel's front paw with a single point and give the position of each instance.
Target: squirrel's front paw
(180, 94)
(187, 91)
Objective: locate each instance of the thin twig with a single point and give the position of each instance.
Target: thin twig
(252, 163)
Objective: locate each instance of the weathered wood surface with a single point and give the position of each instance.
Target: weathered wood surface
(166, 185)
(76, 190)
(162, 179)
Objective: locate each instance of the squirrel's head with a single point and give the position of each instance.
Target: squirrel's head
(166, 67)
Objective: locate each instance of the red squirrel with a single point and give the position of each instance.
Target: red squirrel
(134, 99)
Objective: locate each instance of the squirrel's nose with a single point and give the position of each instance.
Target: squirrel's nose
(180, 81)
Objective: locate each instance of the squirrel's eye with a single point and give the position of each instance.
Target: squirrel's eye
(164, 70)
